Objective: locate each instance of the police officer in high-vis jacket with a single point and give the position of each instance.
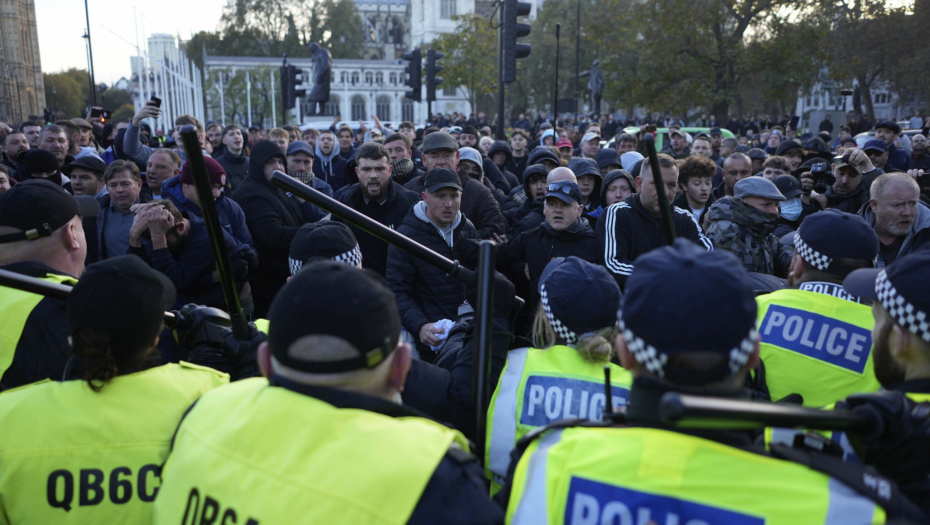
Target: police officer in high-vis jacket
(816, 337)
(324, 438)
(648, 472)
(901, 356)
(41, 235)
(90, 450)
(563, 377)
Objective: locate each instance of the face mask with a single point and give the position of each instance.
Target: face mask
(303, 176)
(791, 209)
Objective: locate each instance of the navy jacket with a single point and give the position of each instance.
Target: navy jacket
(230, 214)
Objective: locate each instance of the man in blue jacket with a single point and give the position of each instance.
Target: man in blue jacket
(181, 191)
(888, 130)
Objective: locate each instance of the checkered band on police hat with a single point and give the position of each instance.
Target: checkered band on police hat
(820, 261)
(294, 265)
(560, 329)
(352, 257)
(654, 360)
(900, 309)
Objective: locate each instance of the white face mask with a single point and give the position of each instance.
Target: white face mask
(791, 209)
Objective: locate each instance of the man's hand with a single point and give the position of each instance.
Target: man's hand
(160, 223)
(807, 182)
(858, 159)
(499, 239)
(361, 126)
(377, 122)
(915, 174)
(337, 118)
(428, 334)
(148, 110)
(140, 224)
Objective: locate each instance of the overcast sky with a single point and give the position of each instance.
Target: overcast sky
(61, 24)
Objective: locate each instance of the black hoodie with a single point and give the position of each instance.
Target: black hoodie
(273, 218)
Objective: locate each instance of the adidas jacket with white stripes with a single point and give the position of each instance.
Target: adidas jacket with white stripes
(627, 230)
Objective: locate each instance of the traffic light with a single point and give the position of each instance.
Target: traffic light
(414, 75)
(432, 81)
(512, 30)
(294, 78)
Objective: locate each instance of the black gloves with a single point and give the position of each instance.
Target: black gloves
(898, 445)
(207, 332)
(197, 325)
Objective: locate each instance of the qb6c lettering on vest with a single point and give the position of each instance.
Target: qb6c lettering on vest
(91, 486)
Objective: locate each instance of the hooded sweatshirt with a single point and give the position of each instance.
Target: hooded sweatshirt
(748, 233)
(331, 168)
(915, 238)
(273, 216)
(419, 209)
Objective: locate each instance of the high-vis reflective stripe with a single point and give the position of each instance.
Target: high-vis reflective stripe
(532, 507)
(264, 453)
(15, 308)
(593, 476)
(815, 345)
(503, 424)
(72, 455)
(539, 387)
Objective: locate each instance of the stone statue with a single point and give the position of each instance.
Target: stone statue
(827, 87)
(595, 85)
(322, 72)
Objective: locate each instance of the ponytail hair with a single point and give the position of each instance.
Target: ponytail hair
(594, 347)
(102, 359)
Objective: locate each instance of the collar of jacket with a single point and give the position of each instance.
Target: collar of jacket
(345, 399)
(233, 158)
(643, 411)
(834, 198)
(637, 205)
(33, 269)
(914, 386)
(577, 229)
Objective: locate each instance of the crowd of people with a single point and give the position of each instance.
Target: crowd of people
(799, 276)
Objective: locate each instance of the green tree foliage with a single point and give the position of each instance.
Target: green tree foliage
(470, 57)
(276, 27)
(115, 98)
(63, 93)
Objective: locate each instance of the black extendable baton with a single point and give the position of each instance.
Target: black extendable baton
(687, 411)
(481, 356)
(240, 325)
(54, 290)
(371, 226)
(665, 209)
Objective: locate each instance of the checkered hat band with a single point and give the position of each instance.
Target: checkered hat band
(294, 265)
(903, 312)
(654, 360)
(352, 257)
(820, 261)
(560, 329)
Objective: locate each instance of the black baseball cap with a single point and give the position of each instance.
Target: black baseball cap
(831, 234)
(439, 178)
(688, 272)
(39, 207)
(786, 146)
(336, 300)
(331, 239)
(902, 289)
(788, 185)
(124, 298)
(564, 190)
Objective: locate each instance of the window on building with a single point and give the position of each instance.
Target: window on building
(446, 9)
(343, 77)
(354, 78)
(358, 107)
(368, 78)
(379, 78)
(448, 91)
(332, 107)
(393, 79)
(406, 109)
(383, 109)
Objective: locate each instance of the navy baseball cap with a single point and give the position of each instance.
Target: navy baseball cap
(578, 297)
(831, 234)
(656, 327)
(299, 146)
(788, 185)
(877, 144)
(352, 299)
(902, 289)
(564, 190)
(39, 207)
(715, 131)
(439, 178)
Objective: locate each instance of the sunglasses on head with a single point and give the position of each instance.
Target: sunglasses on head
(564, 189)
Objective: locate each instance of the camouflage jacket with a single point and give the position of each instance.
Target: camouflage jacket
(747, 232)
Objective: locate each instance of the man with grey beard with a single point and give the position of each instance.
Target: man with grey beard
(901, 221)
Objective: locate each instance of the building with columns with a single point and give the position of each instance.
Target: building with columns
(22, 91)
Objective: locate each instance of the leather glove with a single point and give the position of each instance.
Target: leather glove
(199, 325)
(898, 443)
(242, 353)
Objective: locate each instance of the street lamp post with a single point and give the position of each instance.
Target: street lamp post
(90, 55)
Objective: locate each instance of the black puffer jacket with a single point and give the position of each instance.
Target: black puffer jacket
(273, 218)
(391, 214)
(528, 216)
(424, 293)
(478, 204)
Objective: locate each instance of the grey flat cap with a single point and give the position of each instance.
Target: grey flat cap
(439, 142)
(757, 187)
